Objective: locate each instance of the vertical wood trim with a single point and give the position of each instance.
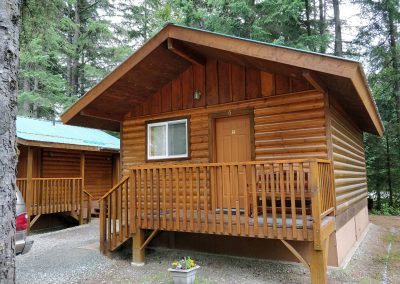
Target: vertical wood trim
(116, 169)
(82, 170)
(29, 190)
(328, 126)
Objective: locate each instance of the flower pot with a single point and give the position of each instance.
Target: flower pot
(182, 276)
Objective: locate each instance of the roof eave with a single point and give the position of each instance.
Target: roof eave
(44, 144)
(114, 75)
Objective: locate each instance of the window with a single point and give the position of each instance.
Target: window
(167, 140)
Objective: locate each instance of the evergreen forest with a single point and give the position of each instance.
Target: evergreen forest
(67, 46)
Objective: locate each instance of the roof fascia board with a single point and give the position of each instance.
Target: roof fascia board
(360, 84)
(63, 146)
(116, 74)
(293, 57)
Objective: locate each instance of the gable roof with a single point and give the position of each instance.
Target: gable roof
(38, 132)
(156, 63)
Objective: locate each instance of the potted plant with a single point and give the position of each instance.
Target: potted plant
(184, 271)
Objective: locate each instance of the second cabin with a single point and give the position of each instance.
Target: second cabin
(64, 169)
(234, 146)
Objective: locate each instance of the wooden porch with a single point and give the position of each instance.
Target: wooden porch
(55, 195)
(286, 200)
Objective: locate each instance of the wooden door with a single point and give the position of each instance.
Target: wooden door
(233, 144)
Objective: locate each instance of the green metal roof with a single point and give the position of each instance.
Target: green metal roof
(47, 131)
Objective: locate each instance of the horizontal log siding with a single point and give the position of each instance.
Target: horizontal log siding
(291, 126)
(349, 162)
(287, 126)
(98, 173)
(57, 164)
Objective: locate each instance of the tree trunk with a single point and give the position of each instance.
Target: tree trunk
(338, 28)
(75, 42)
(308, 24)
(388, 169)
(394, 58)
(322, 24)
(9, 49)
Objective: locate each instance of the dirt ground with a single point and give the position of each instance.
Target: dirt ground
(72, 256)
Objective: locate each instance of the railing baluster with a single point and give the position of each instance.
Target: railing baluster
(191, 199)
(164, 202)
(171, 200)
(220, 197)
(235, 176)
(177, 200)
(184, 199)
(264, 200)
(283, 198)
(213, 199)
(198, 228)
(274, 182)
(158, 198)
(133, 199)
(293, 201)
(139, 194)
(205, 196)
(246, 200)
(254, 194)
(145, 223)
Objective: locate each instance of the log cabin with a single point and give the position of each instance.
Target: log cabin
(235, 146)
(63, 168)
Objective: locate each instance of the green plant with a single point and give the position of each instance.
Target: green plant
(387, 210)
(184, 263)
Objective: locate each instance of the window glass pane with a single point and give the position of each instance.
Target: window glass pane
(157, 143)
(177, 139)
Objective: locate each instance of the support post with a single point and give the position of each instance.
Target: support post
(29, 185)
(319, 264)
(82, 188)
(137, 250)
(315, 204)
(103, 225)
(116, 169)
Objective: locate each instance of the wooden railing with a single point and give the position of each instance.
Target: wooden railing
(114, 216)
(54, 195)
(266, 199)
(22, 184)
(88, 199)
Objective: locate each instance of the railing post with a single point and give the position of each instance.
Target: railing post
(29, 185)
(315, 203)
(89, 209)
(81, 204)
(82, 170)
(132, 197)
(102, 225)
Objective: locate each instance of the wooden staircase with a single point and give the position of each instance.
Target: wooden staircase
(115, 227)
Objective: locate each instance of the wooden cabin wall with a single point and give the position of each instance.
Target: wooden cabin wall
(23, 160)
(219, 83)
(98, 168)
(60, 163)
(349, 162)
(98, 173)
(289, 121)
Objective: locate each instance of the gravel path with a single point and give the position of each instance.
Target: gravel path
(72, 256)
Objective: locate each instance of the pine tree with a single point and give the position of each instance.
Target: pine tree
(379, 41)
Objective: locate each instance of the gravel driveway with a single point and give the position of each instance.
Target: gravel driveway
(72, 256)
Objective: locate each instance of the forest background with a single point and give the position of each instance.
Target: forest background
(67, 46)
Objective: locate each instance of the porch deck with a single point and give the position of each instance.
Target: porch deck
(55, 195)
(197, 197)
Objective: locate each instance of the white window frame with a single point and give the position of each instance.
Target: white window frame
(166, 124)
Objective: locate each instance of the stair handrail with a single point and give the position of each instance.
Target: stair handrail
(103, 214)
